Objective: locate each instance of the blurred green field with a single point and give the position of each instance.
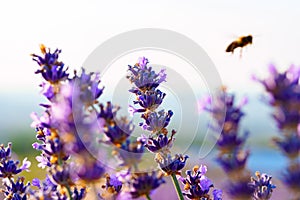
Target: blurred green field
(22, 147)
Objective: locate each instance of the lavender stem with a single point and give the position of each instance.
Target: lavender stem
(177, 187)
(148, 197)
(69, 192)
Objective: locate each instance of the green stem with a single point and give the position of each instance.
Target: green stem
(69, 192)
(177, 187)
(148, 197)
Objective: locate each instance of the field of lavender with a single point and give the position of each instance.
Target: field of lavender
(87, 150)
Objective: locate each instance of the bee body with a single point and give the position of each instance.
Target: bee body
(240, 42)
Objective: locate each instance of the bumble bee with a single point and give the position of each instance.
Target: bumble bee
(240, 42)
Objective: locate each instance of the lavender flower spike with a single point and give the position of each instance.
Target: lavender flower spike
(197, 185)
(262, 186)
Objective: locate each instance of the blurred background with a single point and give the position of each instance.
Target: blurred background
(78, 27)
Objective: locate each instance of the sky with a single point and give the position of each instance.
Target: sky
(78, 27)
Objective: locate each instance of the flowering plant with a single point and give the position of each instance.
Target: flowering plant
(77, 127)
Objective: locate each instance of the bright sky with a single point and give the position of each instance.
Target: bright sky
(78, 27)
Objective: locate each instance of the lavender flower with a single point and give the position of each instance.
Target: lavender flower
(149, 98)
(79, 194)
(144, 78)
(239, 188)
(160, 143)
(289, 145)
(52, 70)
(8, 167)
(157, 121)
(232, 157)
(5, 153)
(130, 153)
(171, 165)
(69, 116)
(262, 186)
(16, 190)
(112, 187)
(198, 185)
(142, 184)
(233, 163)
(291, 177)
(46, 189)
(113, 183)
(217, 194)
(74, 119)
(283, 90)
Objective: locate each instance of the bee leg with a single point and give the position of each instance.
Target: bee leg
(241, 52)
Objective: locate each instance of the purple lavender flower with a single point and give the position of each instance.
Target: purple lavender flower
(52, 70)
(291, 177)
(226, 122)
(283, 90)
(142, 62)
(262, 186)
(150, 100)
(5, 153)
(52, 149)
(68, 117)
(142, 184)
(160, 142)
(224, 109)
(9, 167)
(88, 85)
(47, 90)
(239, 189)
(90, 170)
(198, 185)
(47, 189)
(232, 157)
(228, 142)
(217, 194)
(290, 145)
(144, 78)
(231, 163)
(118, 131)
(114, 183)
(171, 165)
(130, 153)
(112, 187)
(79, 194)
(60, 175)
(157, 121)
(16, 190)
